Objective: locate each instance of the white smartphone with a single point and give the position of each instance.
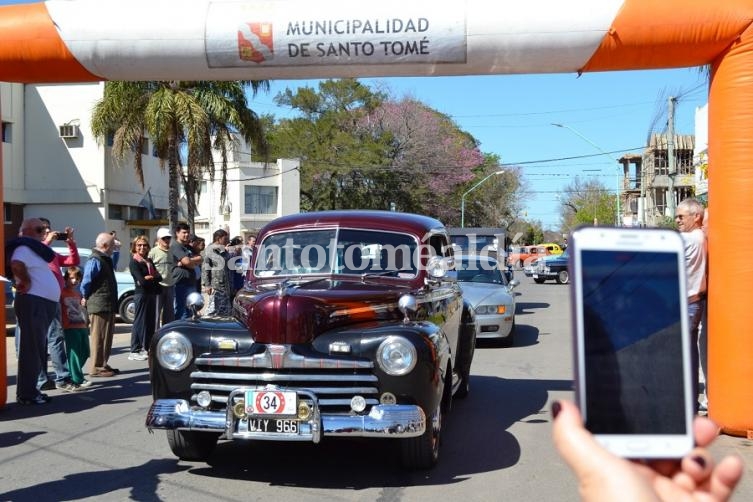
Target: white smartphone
(632, 347)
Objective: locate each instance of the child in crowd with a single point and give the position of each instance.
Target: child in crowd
(75, 327)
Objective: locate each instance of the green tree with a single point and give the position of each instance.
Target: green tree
(587, 202)
(361, 148)
(194, 117)
(341, 162)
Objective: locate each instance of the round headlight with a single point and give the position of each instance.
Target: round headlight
(396, 356)
(437, 267)
(174, 351)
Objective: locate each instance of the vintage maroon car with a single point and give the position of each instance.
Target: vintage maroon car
(351, 324)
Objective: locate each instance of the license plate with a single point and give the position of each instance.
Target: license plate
(535, 276)
(271, 402)
(273, 425)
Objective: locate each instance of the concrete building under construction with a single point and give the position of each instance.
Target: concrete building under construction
(652, 185)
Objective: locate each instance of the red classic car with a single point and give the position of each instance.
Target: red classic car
(351, 324)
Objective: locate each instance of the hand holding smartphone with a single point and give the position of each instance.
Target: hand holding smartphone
(632, 346)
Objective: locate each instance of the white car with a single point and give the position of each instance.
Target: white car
(490, 295)
(126, 287)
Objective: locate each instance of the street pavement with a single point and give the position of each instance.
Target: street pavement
(496, 443)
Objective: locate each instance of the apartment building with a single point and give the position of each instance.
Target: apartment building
(54, 167)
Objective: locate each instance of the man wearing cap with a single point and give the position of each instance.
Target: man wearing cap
(163, 262)
(184, 275)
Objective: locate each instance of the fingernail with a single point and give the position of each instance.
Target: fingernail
(556, 408)
(699, 460)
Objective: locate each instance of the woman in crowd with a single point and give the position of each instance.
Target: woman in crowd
(146, 279)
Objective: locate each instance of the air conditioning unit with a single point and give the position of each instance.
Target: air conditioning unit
(68, 131)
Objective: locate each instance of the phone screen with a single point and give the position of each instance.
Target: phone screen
(632, 342)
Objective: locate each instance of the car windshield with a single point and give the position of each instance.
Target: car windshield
(478, 271)
(343, 251)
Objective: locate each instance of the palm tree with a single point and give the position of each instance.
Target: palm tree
(198, 117)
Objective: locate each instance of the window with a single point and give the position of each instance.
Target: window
(115, 212)
(109, 139)
(260, 199)
(7, 130)
(7, 214)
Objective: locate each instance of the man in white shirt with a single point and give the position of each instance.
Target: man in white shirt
(689, 218)
(36, 302)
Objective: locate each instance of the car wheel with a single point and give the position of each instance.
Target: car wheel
(127, 309)
(192, 445)
(539, 280)
(422, 452)
(563, 277)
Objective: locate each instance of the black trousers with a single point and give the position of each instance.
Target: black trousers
(144, 321)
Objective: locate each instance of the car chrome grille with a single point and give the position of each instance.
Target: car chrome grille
(333, 381)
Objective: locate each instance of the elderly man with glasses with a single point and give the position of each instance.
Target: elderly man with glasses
(36, 303)
(689, 219)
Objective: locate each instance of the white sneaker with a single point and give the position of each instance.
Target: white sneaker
(136, 356)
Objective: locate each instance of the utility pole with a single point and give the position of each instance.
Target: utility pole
(671, 161)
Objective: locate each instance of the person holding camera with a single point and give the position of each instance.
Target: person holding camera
(35, 304)
(216, 276)
(55, 334)
(602, 475)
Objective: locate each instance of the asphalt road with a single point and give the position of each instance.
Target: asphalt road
(496, 445)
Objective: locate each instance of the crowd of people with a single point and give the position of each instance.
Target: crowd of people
(67, 313)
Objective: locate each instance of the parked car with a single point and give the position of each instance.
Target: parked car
(351, 324)
(479, 240)
(552, 268)
(552, 248)
(126, 287)
(523, 256)
(490, 295)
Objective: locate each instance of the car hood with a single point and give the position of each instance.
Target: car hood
(484, 294)
(293, 312)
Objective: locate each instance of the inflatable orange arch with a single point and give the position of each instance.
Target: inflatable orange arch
(92, 40)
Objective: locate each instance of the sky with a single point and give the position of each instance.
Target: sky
(512, 116)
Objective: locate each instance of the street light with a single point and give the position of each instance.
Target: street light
(581, 136)
(462, 199)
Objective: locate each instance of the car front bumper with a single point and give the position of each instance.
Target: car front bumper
(494, 326)
(391, 421)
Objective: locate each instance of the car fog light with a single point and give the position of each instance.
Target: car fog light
(388, 398)
(204, 399)
(358, 404)
(304, 410)
(239, 409)
(339, 348)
